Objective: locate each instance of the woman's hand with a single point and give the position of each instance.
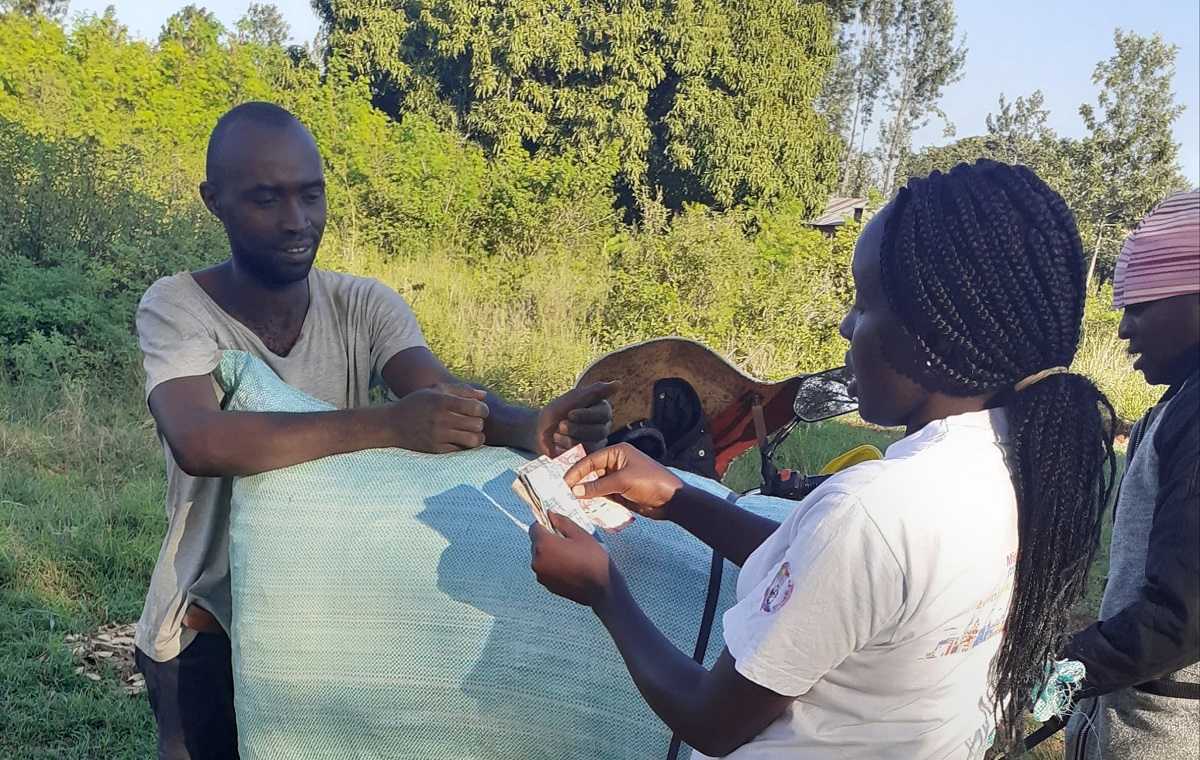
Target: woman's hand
(626, 476)
(573, 566)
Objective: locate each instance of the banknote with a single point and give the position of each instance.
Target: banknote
(540, 484)
(604, 512)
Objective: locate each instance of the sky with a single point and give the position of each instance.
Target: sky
(1013, 46)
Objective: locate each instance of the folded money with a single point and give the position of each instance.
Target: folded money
(540, 484)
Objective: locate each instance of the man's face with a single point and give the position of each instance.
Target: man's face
(1159, 332)
(270, 195)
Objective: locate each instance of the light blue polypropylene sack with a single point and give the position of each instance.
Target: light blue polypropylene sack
(383, 607)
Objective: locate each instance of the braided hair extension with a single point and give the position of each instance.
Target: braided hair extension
(985, 269)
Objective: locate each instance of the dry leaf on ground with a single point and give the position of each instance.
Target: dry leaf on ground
(109, 645)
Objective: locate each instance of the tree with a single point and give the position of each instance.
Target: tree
(263, 25)
(1130, 155)
(854, 88)
(1016, 134)
(51, 9)
(701, 101)
(197, 29)
(926, 58)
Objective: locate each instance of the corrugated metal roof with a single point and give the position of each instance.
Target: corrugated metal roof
(837, 210)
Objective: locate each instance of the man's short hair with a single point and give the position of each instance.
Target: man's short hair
(255, 112)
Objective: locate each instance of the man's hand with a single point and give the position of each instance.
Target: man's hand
(581, 415)
(442, 418)
(628, 477)
(573, 566)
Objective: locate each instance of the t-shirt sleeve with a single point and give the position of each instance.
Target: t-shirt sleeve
(175, 342)
(392, 324)
(838, 587)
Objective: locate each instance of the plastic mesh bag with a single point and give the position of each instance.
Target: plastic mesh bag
(384, 608)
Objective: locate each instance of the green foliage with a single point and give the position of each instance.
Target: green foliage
(263, 25)
(708, 102)
(927, 57)
(1110, 178)
(857, 82)
(1130, 158)
(78, 246)
(898, 54)
(52, 9)
(765, 289)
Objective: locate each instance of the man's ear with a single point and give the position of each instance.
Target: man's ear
(208, 193)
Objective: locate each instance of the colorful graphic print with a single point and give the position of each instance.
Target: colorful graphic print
(779, 591)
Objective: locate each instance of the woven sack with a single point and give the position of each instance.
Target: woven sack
(383, 607)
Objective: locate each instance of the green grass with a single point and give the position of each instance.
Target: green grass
(809, 448)
(81, 519)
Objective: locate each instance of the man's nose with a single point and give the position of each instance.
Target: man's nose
(294, 218)
(1125, 327)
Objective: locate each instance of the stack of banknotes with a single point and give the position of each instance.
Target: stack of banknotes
(540, 484)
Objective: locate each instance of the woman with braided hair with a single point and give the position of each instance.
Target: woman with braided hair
(909, 604)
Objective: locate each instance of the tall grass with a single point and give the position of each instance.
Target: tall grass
(81, 519)
(526, 333)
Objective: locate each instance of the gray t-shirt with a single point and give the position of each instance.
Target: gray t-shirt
(354, 325)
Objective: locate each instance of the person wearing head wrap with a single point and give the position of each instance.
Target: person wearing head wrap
(1141, 693)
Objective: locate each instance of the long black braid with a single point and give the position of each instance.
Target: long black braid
(985, 268)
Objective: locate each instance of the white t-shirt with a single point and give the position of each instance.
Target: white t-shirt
(880, 602)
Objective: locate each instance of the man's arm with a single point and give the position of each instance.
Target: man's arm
(209, 442)
(417, 368)
(581, 415)
(1160, 632)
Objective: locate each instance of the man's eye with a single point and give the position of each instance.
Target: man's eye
(264, 201)
(313, 197)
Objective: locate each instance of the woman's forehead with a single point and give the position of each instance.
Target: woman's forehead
(865, 264)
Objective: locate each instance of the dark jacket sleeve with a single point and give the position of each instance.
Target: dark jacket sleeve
(1159, 633)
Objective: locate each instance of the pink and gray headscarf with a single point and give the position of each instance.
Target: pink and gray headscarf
(1161, 258)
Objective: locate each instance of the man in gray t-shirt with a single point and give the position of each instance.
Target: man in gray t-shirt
(331, 335)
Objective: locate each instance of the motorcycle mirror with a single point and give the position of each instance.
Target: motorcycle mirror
(824, 395)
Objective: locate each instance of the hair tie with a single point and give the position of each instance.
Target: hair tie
(1039, 376)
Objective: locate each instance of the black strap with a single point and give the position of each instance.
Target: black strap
(1159, 688)
(1173, 689)
(1048, 729)
(706, 623)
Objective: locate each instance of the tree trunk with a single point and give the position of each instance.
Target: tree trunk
(900, 117)
(858, 99)
(850, 148)
(1095, 255)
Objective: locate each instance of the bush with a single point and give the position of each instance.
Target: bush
(762, 287)
(78, 247)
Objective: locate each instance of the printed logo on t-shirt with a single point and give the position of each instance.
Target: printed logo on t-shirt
(986, 622)
(779, 591)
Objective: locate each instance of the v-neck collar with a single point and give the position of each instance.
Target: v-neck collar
(310, 280)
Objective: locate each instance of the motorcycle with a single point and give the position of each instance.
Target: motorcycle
(687, 407)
